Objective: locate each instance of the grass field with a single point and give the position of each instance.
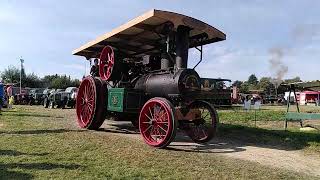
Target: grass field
(269, 127)
(46, 143)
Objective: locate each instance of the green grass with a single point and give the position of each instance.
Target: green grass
(41, 143)
(268, 130)
(244, 116)
(279, 139)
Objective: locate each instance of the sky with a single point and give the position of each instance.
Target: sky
(44, 33)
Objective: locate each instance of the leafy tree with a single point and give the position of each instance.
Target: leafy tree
(61, 82)
(253, 79)
(293, 80)
(11, 75)
(32, 80)
(237, 83)
(47, 80)
(244, 87)
(264, 83)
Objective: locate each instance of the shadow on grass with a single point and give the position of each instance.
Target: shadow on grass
(40, 131)
(17, 153)
(5, 173)
(121, 127)
(188, 145)
(39, 166)
(25, 115)
(233, 138)
(278, 139)
(118, 130)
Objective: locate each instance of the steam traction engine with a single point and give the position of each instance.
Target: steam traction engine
(144, 78)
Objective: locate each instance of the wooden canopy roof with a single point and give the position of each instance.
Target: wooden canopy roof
(309, 85)
(141, 35)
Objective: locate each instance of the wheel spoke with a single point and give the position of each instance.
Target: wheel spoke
(159, 133)
(146, 122)
(165, 113)
(147, 129)
(151, 113)
(85, 91)
(90, 108)
(162, 129)
(206, 115)
(148, 117)
(152, 130)
(162, 122)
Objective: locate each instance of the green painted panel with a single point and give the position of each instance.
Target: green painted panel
(295, 116)
(115, 99)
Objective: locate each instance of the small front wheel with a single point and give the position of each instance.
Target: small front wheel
(203, 126)
(157, 123)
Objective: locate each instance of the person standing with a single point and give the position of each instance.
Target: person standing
(1, 96)
(11, 102)
(94, 71)
(247, 103)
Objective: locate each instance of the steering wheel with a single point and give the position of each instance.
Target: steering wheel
(106, 63)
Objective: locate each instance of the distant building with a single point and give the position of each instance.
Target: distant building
(309, 97)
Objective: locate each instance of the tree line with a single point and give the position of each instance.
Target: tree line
(266, 84)
(12, 75)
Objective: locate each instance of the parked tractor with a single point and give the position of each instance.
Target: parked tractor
(36, 96)
(144, 78)
(62, 98)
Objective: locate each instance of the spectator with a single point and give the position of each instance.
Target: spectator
(11, 102)
(247, 103)
(1, 96)
(1, 105)
(94, 71)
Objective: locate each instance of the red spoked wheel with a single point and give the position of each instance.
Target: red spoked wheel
(157, 123)
(90, 103)
(106, 63)
(203, 127)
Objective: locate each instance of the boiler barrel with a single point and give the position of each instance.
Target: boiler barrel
(169, 84)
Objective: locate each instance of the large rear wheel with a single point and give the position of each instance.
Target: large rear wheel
(203, 126)
(90, 103)
(157, 123)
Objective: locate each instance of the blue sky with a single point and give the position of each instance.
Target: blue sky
(45, 32)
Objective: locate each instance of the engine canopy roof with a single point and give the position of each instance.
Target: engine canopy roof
(141, 35)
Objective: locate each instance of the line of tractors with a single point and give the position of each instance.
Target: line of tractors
(49, 98)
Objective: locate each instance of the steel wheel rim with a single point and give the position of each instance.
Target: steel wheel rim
(86, 102)
(155, 122)
(200, 131)
(203, 127)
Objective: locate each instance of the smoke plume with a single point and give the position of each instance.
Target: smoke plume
(276, 65)
(301, 34)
